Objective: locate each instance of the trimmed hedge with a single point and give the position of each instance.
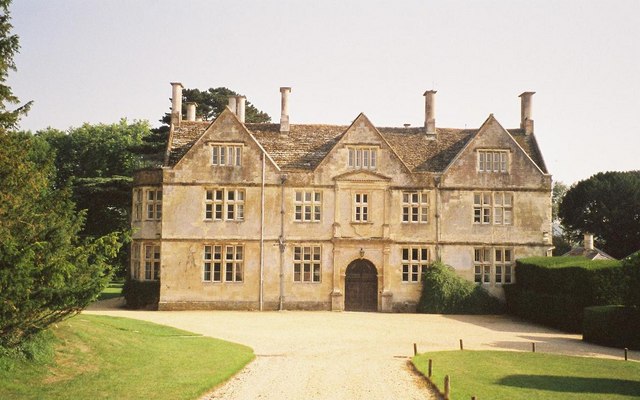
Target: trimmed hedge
(141, 294)
(631, 268)
(444, 292)
(615, 326)
(555, 290)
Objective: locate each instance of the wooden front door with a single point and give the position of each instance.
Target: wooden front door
(361, 287)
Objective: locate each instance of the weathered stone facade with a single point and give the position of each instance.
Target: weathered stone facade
(269, 216)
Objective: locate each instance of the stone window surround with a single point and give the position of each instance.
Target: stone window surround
(226, 154)
(488, 159)
(415, 210)
(359, 155)
(415, 261)
(152, 203)
(218, 206)
(307, 206)
(151, 261)
(493, 266)
(493, 208)
(360, 207)
(307, 263)
(223, 263)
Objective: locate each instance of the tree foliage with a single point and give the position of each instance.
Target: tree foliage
(608, 206)
(46, 272)
(98, 162)
(9, 46)
(444, 292)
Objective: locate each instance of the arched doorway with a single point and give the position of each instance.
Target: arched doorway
(361, 286)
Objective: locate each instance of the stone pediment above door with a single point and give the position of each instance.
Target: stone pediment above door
(362, 176)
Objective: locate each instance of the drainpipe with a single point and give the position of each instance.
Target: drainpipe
(438, 181)
(282, 243)
(261, 297)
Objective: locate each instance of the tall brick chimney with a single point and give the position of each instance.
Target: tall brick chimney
(284, 114)
(430, 113)
(526, 122)
(176, 103)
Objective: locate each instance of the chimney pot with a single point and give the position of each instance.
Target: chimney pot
(176, 103)
(588, 241)
(232, 104)
(191, 111)
(526, 122)
(284, 114)
(430, 113)
(241, 102)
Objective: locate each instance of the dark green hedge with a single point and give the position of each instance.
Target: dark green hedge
(631, 268)
(555, 290)
(444, 292)
(141, 294)
(615, 326)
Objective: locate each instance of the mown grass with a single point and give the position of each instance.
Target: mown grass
(114, 289)
(532, 376)
(99, 357)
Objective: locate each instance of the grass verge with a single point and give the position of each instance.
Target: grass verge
(113, 290)
(513, 375)
(99, 357)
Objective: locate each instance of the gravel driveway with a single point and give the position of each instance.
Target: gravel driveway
(349, 355)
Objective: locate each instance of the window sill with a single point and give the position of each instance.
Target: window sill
(361, 223)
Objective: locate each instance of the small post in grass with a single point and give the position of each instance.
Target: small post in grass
(447, 387)
(461, 346)
(533, 347)
(626, 354)
(415, 349)
(474, 398)
(430, 367)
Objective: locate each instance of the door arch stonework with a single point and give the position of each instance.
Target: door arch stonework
(361, 286)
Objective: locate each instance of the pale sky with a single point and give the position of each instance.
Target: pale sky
(99, 61)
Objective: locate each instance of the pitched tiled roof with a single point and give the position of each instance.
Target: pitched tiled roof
(303, 148)
(530, 146)
(307, 145)
(183, 138)
(421, 154)
(591, 254)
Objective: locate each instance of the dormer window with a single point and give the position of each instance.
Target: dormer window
(226, 155)
(363, 157)
(493, 161)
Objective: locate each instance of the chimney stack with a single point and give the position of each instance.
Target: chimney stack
(588, 241)
(284, 114)
(191, 111)
(176, 103)
(232, 104)
(526, 122)
(241, 101)
(430, 113)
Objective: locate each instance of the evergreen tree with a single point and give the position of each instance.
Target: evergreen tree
(9, 46)
(608, 206)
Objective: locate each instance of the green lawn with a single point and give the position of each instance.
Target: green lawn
(113, 290)
(99, 357)
(500, 375)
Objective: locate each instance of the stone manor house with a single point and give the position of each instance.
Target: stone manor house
(323, 217)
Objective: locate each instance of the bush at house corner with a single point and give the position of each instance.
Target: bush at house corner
(444, 292)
